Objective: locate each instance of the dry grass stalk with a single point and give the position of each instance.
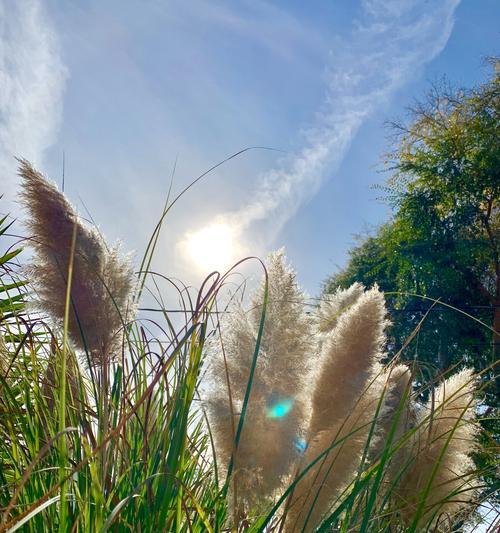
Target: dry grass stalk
(51, 381)
(4, 356)
(4, 365)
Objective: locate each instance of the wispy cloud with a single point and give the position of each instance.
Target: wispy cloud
(390, 43)
(32, 80)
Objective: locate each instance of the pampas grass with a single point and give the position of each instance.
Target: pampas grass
(114, 444)
(397, 414)
(306, 427)
(276, 414)
(85, 287)
(344, 401)
(333, 305)
(356, 415)
(102, 280)
(440, 479)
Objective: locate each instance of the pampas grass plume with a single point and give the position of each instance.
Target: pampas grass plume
(397, 414)
(102, 280)
(445, 438)
(333, 305)
(344, 401)
(267, 448)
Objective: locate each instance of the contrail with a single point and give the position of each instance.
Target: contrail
(390, 43)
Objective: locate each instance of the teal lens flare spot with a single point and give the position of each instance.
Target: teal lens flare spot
(279, 409)
(300, 444)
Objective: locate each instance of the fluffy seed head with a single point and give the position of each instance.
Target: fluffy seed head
(397, 414)
(344, 402)
(276, 413)
(101, 282)
(333, 305)
(440, 462)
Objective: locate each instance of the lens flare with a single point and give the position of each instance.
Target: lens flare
(279, 409)
(300, 444)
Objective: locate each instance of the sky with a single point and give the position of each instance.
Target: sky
(133, 93)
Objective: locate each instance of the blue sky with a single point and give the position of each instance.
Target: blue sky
(127, 88)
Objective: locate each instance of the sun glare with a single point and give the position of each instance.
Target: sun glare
(212, 248)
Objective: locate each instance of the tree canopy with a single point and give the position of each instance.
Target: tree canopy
(442, 242)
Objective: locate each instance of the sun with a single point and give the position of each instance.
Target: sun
(212, 248)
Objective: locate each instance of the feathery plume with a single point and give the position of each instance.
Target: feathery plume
(102, 281)
(273, 431)
(397, 414)
(440, 464)
(344, 402)
(333, 305)
(229, 371)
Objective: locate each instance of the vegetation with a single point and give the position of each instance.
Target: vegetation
(306, 421)
(93, 431)
(343, 432)
(101, 430)
(443, 241)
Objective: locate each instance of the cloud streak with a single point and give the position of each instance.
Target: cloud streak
(32, 80)
(391, 41)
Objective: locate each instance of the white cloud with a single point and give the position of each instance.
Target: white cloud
(32, 79)
(391, 41)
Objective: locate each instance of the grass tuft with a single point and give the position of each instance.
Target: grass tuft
(102, 413)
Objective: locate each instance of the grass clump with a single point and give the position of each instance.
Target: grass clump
(302, 426)
(97, 427)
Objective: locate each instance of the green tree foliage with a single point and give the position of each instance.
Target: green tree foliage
(443, 239)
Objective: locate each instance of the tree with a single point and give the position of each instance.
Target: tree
(443, 242)
(399, 267)
(443, 239)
